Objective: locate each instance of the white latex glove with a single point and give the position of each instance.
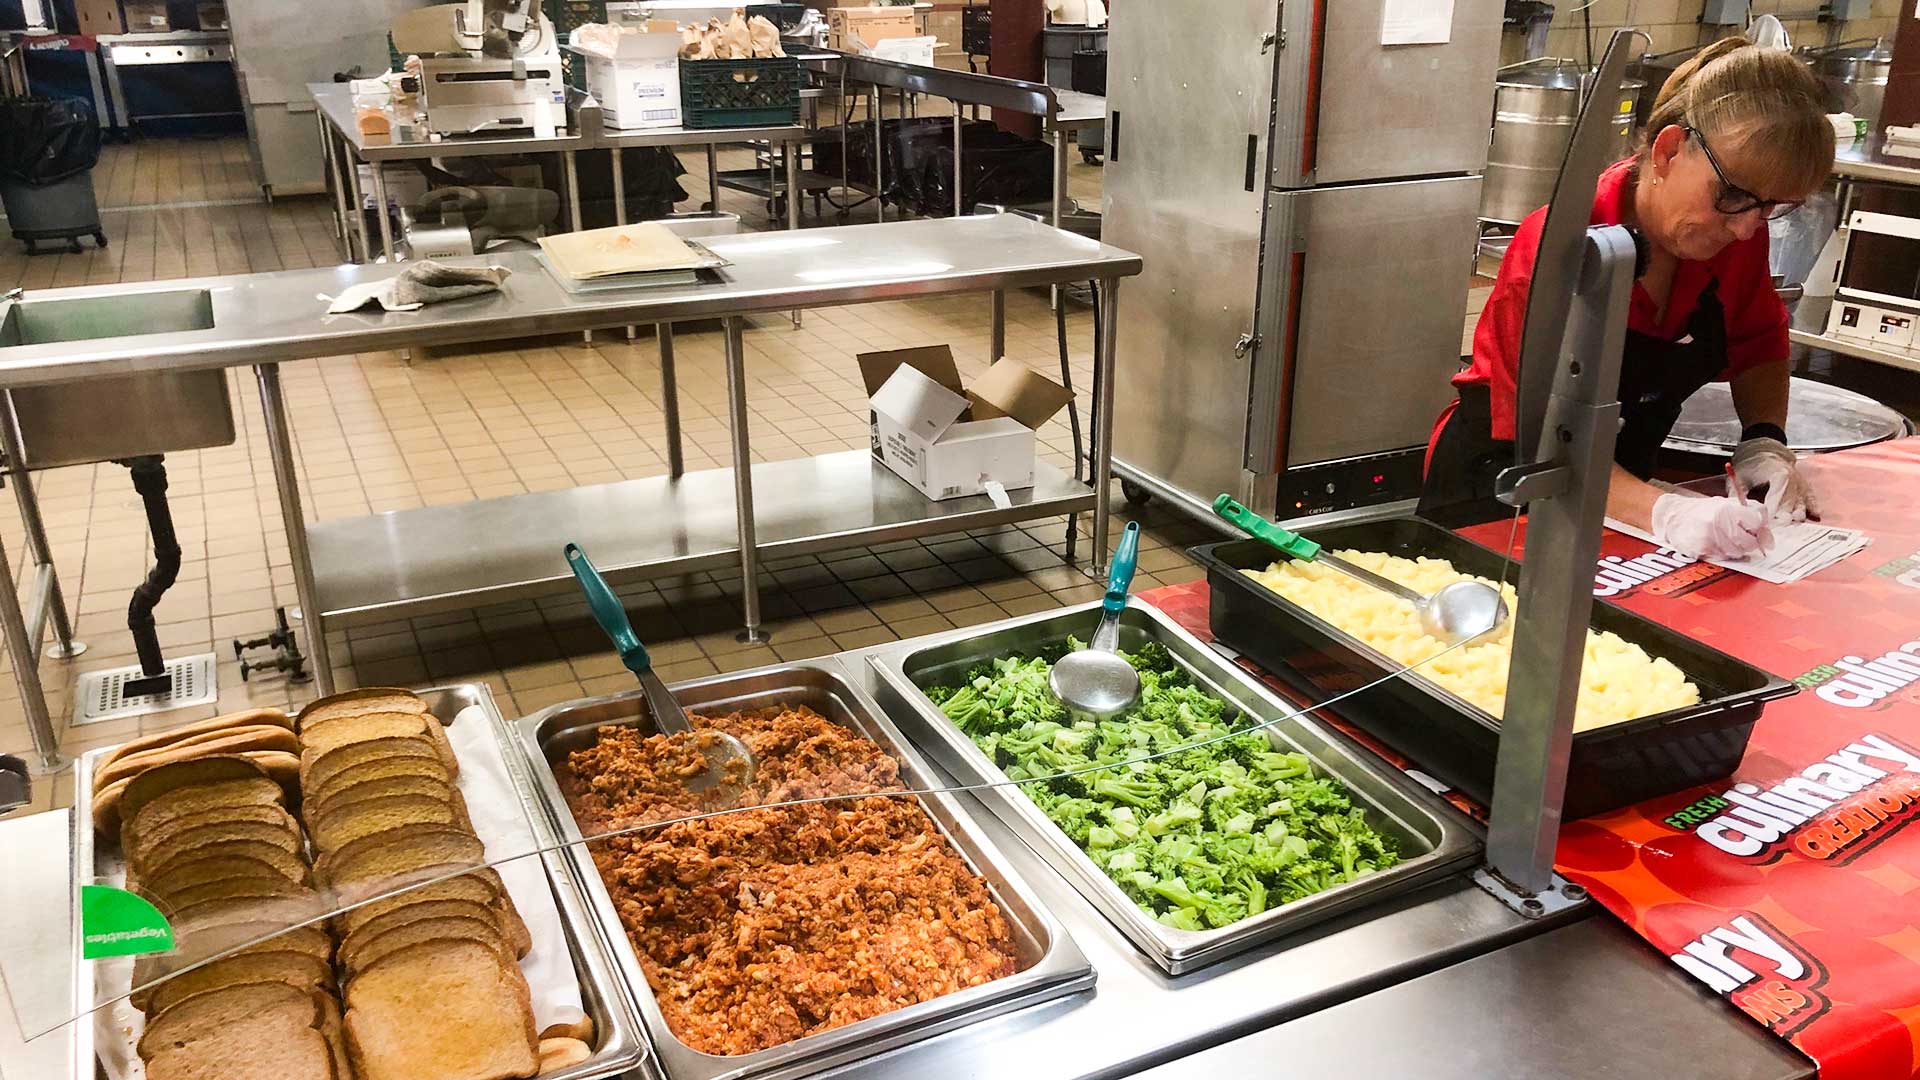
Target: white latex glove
(1769, 462)
(1709, 527)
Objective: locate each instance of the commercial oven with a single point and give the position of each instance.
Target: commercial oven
(1305, 198)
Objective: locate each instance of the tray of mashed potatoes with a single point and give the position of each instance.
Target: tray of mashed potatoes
(1658, 711)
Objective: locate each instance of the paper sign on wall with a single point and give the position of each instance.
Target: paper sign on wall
(1416, 22)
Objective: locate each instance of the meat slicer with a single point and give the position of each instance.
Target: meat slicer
(487, 67)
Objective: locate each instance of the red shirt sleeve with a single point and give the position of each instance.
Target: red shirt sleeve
(1496, 337)
(1756, 318)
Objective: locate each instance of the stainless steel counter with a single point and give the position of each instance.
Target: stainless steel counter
(1580, 1002)
(1865, 159)
(267, 318)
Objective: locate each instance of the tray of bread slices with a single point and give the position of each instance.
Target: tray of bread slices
(356, 891)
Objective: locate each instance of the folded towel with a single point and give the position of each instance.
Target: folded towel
(420, 284)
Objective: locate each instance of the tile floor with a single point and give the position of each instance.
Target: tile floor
(376, 433)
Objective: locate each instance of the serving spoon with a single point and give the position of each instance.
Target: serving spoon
(1096, 679)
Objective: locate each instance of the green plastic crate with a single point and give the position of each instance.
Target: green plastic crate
(567, 16)
(740, 93)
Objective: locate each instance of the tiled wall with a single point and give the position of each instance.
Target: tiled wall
(1675, 24)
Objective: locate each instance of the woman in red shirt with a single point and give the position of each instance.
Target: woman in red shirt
(1738, 136)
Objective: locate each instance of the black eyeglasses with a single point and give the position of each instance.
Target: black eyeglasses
(1733, 199)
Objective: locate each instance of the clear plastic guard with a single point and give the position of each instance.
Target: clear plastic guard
(630, 802)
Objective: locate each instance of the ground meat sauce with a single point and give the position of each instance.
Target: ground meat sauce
(761, 926)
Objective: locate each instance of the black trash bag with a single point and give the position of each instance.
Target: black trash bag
(46, 140)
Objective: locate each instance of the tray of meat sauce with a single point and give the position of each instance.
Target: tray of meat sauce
(778, 942)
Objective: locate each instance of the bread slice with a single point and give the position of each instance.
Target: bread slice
(353, 729)
(254, 791)
(178, 872)
(316, 768)
(207, 1015)
(282, 765)
(166, 888)
(562, 1053)
(367, 699)
(268, 1049)
(278, 910)
(512, 925)
(424, 768)
(172, 776)
(399, 851)
(234, 939)
(455, 1004)
(226, 741)
(256, 886)
(333, 1026)
(467, 889)
(294, 969)
(345, 824)
(243, 718)
(364, 950)
(383, 787)
(401, 913)
(188, 841)
(263, 814)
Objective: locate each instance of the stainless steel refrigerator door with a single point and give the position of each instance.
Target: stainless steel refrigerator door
(1363, 367)
(1187, 144)
(1353, 109)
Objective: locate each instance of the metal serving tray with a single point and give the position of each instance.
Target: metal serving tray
(1432, 836)
(618, 1044)
(1610, 767)
(1051, 965)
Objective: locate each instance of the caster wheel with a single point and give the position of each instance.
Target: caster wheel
(1135, 494)
(1089, 157)
(100, 238)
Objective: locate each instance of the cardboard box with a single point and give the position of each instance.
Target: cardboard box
(949, 440)
(858, 29)
(639, 87)
(146, 16)
(907, 50)
(98, 17)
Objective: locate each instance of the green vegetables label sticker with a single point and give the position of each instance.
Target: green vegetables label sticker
(115, 922)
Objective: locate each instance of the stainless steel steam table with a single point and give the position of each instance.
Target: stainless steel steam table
(412, 562)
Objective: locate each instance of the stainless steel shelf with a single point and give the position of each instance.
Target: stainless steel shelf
(441, 558)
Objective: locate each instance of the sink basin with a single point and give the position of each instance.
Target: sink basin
(44, 322)
(107, 419)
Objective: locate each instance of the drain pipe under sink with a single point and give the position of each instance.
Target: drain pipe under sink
(150, 480)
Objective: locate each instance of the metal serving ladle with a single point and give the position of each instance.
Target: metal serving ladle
(729, 763)
(1096, 679)
(1462, 610)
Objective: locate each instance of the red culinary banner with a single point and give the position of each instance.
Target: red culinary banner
(1791, 887)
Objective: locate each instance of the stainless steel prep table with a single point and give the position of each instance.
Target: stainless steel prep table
(344, 146)
(407, 563)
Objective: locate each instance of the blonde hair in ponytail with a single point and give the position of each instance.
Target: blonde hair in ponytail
(1761, 105)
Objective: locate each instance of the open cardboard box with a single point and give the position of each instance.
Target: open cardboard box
(950, 440)
(639, 85)
(859, 29)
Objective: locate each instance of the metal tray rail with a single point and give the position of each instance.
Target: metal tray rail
(1050, 964)
(1432, 836)
(1614, 766)
(619, 1046)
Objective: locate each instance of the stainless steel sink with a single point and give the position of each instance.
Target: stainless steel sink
(123, 416)
(43, 322)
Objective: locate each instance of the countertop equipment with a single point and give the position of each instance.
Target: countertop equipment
(1534, 106)
(1289, 179)
(486, 67)
(1855, 75)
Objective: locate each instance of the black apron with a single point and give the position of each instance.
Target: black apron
(1656, 379)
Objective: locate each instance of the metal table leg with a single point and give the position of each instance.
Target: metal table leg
(380, 208)
(115, 92)
(358, 223)
(999, 325)
(1103, 425)
(743, 483)
(104, 118)
(273, 406)
(571, 166)
(620, 206)
(39, 555)
(792, 153)
(713, 177)
(879, 158)
(959, 124)
(1059, 192)
(670, 399)
(26, 671)
(341, 217)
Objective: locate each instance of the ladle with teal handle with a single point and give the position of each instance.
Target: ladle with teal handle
(1096, 679)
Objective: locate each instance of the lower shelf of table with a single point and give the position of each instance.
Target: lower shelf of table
(1856, 349)
(447, 558)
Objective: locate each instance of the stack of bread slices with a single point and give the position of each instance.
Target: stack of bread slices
(201, 815)
(430, 976)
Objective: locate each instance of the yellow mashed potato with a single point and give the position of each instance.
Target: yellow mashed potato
(1618, 681)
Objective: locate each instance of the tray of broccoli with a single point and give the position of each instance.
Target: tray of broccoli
(1195, 834)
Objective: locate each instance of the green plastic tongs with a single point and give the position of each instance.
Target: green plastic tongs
(1462, 610)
